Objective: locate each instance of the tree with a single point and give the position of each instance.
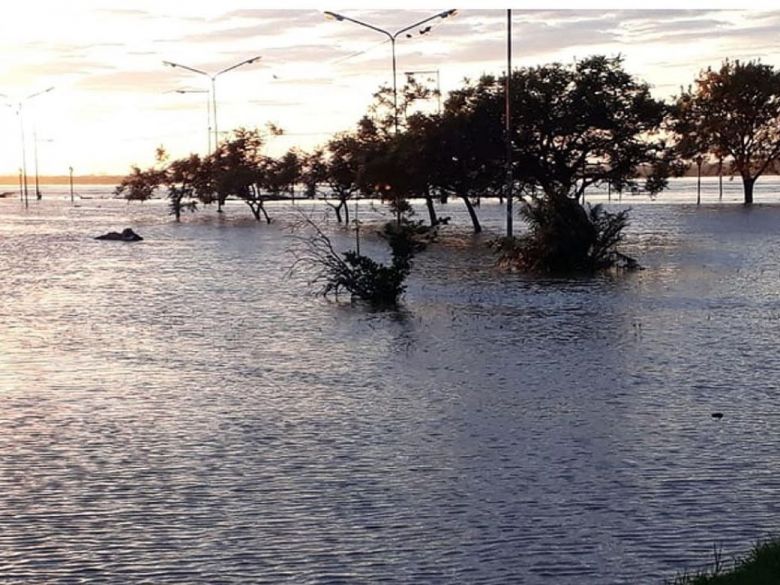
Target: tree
(574, 126)
(341, 168)
(583, 124)
(139, 185)
(740, 117)
(284, 173)
(239, 169)
(360, 276)
(183, 179)
(688, 122)
(464, 147)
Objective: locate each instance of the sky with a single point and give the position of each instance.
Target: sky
(114, 101)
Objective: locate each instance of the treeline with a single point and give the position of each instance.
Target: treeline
(573, 126)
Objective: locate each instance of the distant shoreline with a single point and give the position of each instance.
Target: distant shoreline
(64, 179)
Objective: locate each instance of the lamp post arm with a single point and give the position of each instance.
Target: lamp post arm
(36, 94)
(237, 65)
(444, 14)
(361, 23)
(174, 65)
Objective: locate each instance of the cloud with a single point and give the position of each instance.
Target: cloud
(127, 81)
(271, 103)
(124, 12)
(263, 23)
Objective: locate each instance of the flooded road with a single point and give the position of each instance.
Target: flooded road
(182, 410)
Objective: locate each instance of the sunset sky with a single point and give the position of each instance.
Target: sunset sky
(113, 101)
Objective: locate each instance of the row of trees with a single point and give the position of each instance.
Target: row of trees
(590, 123)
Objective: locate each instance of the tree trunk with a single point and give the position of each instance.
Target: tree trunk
(267, 219)
(472, 214)
(337, 209)
(698, 183)
(748, 183)
(345, 204)
(431, 209)
(255, 211)
(720, 180)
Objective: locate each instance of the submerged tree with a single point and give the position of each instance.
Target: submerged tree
(575, 126)
(694, 140)
(463, 148)
(182, 179)
(740, 116)
(357, 275)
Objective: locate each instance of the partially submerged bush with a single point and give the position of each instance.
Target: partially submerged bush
(565, 237)
(360, 276)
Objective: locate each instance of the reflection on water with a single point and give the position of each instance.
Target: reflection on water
(180, 410)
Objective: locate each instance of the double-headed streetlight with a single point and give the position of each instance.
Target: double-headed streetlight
(20, 113)
(410, 74)
(213, 78)
(393, 36)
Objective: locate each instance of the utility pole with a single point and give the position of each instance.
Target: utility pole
(508, 122)
(70, 169)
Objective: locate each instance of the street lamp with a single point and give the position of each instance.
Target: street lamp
(393, 37)
(38, 195)
(208, 111)
(508, 124)
(213, 78)
(438, 82)
(20, 112)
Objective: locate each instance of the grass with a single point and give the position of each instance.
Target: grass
(760, 567)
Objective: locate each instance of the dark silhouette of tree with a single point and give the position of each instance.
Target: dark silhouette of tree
(575, 126)
(182, 179)
(463, 147)
(585, 124)
(139, 185)
(340, 167)
(739, 107)
(688, 122)
(360, 276)
(284, 173)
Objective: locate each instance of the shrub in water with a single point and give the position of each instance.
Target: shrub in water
(565, 237)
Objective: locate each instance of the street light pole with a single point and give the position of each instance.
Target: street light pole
(24, 155)
(213, 78)
(508, 122)
(20, 113)
(392, 37)
(35, 159)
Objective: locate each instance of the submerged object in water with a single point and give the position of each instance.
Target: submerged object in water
(127, 235)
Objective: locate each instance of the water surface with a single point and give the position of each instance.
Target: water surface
(182, 410)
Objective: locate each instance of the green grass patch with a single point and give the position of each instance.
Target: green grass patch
(760, 567)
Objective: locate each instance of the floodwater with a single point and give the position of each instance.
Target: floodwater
(181, 410)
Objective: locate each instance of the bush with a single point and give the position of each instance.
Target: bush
(360, 276)
(565, 237)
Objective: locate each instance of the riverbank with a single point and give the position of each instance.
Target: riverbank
(760, 567)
